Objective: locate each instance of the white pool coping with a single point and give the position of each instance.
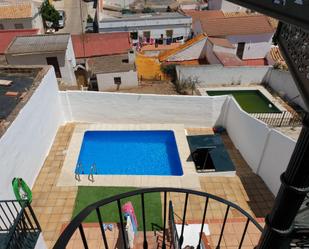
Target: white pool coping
(276, 103)
(189, 179)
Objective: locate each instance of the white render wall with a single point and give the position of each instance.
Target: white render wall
(34, 22)
(211, 57)
(123, 4)
(194, 52)
(26, 143)
(225, 6)
(180, 26)
(266, 150)
(66, 62)
(282, 82)
(10, 23)
(256, 47)
(277, 153)
(99, 107)
(106, 81)
(210, 75)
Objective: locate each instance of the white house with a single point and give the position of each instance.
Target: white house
(238, 32)
(22, 14)
(114, 72)
(225, 6)
(56, 50)
(148, 27)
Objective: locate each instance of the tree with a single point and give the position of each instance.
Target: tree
(49, 13)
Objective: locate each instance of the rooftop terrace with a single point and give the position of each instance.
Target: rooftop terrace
(54, 204)
(17, 85)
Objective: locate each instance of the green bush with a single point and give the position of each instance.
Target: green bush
(170, 71)
(89, 19)
(148, 10)
(49, 13)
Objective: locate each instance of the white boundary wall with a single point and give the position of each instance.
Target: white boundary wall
(99, 107)
(210, 75)
(282, 82)
(24, 146)
(266, 150)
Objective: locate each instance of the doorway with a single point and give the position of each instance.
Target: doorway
(53, 61)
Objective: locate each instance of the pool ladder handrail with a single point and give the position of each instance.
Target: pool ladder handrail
(93, 169)
(79, 168)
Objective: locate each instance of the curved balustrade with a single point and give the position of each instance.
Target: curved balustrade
(76, 223)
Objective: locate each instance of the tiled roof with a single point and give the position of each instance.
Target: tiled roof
(244, 25)
(160, 47)
(222, 42)
(6, 36)
(101, 44)
(228, 59)
(276, 55)
(198, 14)
(255, 62)
(13, 9)
(164, 55)
(36, 44)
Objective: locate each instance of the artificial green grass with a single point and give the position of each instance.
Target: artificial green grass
(251, 101)
(89, 195)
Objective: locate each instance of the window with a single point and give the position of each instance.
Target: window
(117, 80)
(1, 26)
(19, 26)
(125, 60)
(134, 35)
(240, 49)
(169, 33)
(146, 34)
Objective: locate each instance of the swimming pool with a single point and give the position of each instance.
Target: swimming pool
(130, 153)
(252, 101)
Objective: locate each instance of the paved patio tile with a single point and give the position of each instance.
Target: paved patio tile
(54, 205)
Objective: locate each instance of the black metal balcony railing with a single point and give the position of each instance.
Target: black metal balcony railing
(177, 239)
(282, 119)
(19, 227)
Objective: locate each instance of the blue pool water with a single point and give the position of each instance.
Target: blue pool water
(130, 153)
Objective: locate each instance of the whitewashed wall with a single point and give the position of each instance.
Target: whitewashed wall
(27, 141)
(277, 154)
(256, 47)
(40, 244)
(211, 57)
(266, 150)
(201, 111)
(225, 6)
(283, 83)
(181, 26)
(66, 68)
(218, 74)
(248, 134)
(122, 4)
(106, 81)
(10, 23)
(194, 52)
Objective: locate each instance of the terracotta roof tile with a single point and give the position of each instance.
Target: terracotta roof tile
(164, 55)
(198, 14)
(101, 44)
(7, 36)
(16, 9)
(244, 25)
(160, 47)
(276, 55)
(222, 42)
